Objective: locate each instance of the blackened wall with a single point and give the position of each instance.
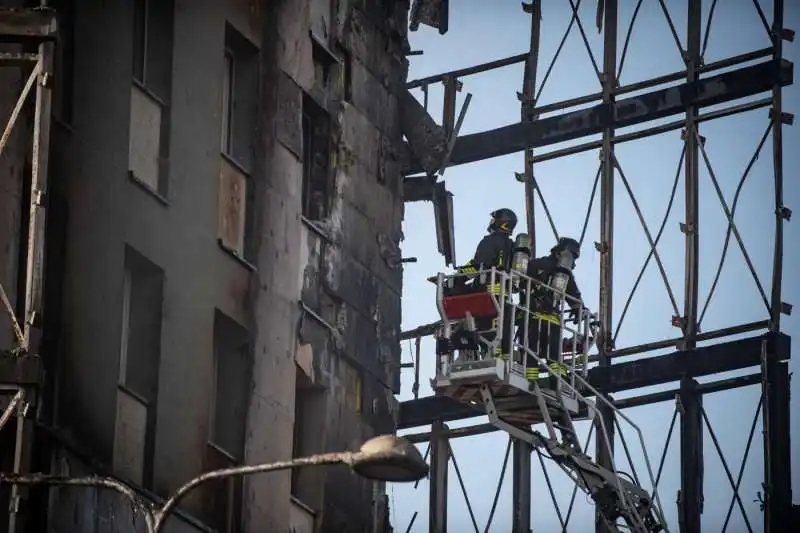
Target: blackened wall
(351, 274)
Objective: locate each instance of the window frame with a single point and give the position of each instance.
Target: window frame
(228, 114)
(140, 40)
(314, 119)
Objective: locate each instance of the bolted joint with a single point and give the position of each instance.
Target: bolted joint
(784, 117)
(46, 80)
(679, 406)
(687, 229)
(784, 212)
(684, 136)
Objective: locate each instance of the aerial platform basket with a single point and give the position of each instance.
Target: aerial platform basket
(513, 399)
(485, 360)
(474, 310)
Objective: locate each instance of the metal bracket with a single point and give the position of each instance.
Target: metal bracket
(454, 135)
(784, 212)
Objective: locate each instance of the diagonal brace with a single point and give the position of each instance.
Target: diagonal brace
(731, 223)
(650, 240)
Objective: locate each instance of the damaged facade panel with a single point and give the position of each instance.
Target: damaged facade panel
(247, 152)
(350, 278)
(433, 13)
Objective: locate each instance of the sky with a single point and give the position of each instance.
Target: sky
(479, 33)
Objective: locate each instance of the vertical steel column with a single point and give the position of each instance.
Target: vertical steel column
(440, 459)
(690, 501)
(606, 246)
(777, 448)
(522, 487)
(528, 103)
(692, 177)
(34, 277)
(777, 162)
(450, 84)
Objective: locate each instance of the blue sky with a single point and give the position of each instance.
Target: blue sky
(479, 33)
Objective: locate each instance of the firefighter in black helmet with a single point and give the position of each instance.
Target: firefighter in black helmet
(495, 250)
(544, 333)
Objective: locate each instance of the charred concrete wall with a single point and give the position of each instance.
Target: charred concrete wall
(291, 239)
(350, 272)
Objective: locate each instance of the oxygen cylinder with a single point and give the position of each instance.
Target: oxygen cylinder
(522, 253)
(564, 263)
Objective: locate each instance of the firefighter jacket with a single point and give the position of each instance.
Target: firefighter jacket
(494, 250)
(542, 269)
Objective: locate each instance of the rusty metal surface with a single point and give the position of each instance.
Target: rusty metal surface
(714, 90)
(36, 24)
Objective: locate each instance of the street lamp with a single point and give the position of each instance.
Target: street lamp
(383, 458)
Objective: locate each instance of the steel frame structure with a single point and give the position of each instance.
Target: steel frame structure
(702, 86)
(29, 36)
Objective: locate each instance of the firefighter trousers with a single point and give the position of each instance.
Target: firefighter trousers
(544, 339)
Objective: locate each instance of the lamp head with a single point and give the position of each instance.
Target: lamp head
(389, 458)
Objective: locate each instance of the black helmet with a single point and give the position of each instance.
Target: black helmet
(566, 243)
(503, 220)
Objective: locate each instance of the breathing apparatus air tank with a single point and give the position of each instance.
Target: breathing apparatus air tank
(565, 262)
(522, 253)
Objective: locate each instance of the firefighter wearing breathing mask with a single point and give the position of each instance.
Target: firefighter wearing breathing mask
(544, 332)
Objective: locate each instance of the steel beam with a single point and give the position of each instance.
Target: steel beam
(468, 71)
(27, 25)
(34, 277)
(440, 459)
(777, 161)
(624, 403)
(528, 114)
(20, 369)
(702, 361)
(604, 448)
(522, 487)
(691, 221)
(777, 446)
(690, 501)
(739, 83)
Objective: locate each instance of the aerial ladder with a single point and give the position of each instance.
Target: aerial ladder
(484, 359)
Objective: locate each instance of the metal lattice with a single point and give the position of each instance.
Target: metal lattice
(704, 92)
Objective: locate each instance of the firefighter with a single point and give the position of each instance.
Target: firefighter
(544, 331)
(494, 250)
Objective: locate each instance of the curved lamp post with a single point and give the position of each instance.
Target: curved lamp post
(383, 458)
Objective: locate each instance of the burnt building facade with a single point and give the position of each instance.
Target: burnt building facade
(221, 275)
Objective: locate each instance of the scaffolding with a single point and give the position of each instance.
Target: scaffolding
(680, 101)
(27, 38)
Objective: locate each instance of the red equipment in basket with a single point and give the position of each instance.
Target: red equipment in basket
(478, 304)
